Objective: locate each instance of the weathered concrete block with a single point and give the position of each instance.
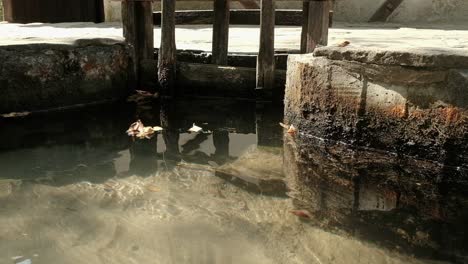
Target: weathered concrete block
(374, 99)
(34, 77)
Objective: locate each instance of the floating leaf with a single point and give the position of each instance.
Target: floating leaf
(135, 128)
(195, 128)
(139, 130)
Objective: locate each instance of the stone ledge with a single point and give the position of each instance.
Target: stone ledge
(416, 111)
(42, 76)
(411, 57)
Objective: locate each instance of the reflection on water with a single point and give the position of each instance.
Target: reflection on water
(74, 188)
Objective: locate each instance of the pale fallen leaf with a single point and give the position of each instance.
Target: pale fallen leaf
(284, 125)
(343, 44)
(157, 128)
(195, 128)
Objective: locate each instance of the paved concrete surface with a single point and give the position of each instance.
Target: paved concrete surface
(246, 38)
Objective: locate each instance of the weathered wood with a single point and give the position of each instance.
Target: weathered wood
(220, 32)
(305, 25)
(213, 80)
(266, 54)
(138, 32)
(236, 17)
(318, 22)
(249, 4)
(385, 10)
(129, 32)
(167, 51)
(235, 60)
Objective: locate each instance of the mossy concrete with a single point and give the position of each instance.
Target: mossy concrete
(41, 76)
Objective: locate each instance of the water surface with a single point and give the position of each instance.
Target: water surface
(74, 188)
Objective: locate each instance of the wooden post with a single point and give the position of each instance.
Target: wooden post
(167, 52)
(266, 54)
(305, 24)
(137, 18)
(220, 32)
(317, 24)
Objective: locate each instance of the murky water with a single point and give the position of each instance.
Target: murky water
(74, 188)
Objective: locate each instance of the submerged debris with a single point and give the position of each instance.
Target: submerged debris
(152, 188)
(302, 213)
(139, 130)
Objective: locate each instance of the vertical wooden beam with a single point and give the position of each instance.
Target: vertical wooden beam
(220, 32)
(167, 52)
(305, 24)
(317, 24)
(137, 19)
(129, 33)
(266, 54)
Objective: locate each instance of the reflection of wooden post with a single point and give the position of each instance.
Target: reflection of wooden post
(266, 54)
(170, 133)
(137, 18)
(305, 23)
(220, 32)
(269, 133)
(318, 20)
(221, 144)
(167, 51)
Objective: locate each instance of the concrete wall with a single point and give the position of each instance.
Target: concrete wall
(410, 103)
(43, 76)
(410, 11)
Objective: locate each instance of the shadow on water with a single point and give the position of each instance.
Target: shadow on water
(92, 144)
(408, 206)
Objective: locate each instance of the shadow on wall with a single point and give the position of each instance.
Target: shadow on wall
(414, 11)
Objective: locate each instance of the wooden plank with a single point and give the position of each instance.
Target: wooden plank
(385, 10)
(266, 55)
(138, 33)
(7, 11)
(220, 32)
(145, 32)
(129, 32)
(317, 26)
(167, 51)
(249, 4)
(305, 25)
(236, 17)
